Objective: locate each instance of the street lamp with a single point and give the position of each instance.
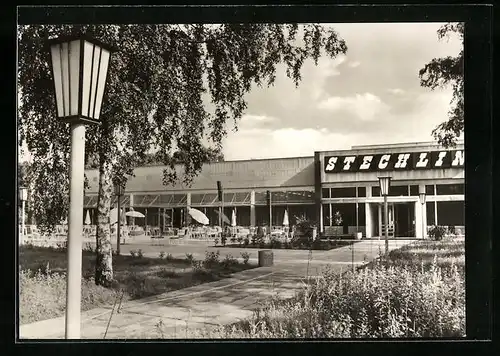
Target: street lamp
(23, 196)
(119, 190)
(422, 196)
(385, 182)
(79, 67)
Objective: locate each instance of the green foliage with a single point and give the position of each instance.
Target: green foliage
(211, 259)
(159, 83)
(443, 72)
(189, 257)
(437, 232)
(245, 256)
(396, 300)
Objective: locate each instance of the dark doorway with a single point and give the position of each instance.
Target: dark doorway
(404, 214)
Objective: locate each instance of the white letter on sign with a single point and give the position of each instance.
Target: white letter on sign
(439, 161)
(347, 162)
(366, 162)
(384, 161)
(331, 164)
(402, 159)
(459, 159)
(423, 161)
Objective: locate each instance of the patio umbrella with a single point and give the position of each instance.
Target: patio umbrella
(134, 214)
(87, 218)
(233, 218)
(198, 216)
(113, 216)
(285, 219)
(224, 217)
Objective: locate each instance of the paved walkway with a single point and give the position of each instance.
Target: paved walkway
(211, 304)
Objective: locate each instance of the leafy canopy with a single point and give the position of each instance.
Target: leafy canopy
(171, 88)
(443, 72)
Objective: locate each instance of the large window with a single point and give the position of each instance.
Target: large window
(451, 213)
(431, 218)
(414, 190)
(343, 192)
(285, 197)
(429, 189)
(361, 191)
(450, 189)
(398, 190)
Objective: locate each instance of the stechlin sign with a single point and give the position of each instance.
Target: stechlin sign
(395, 161)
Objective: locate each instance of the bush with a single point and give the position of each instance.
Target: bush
(229, 261)
(378, 302)
(189, 257)
(133, 253)
(246, 241)
(254, 239)
(245, 256)
(240, 239)
(216, 241)
(275, 243)
(437, 232)
(162, 254)
(233, 239)
(223, 239)
(169, 257)
(140, 254)
(211, 259)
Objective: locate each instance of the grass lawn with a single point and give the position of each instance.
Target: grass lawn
(417, 291)
(43, 283)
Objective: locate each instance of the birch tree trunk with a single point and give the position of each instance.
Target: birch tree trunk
(104, 248)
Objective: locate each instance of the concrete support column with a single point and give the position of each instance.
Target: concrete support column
(368, 221)
(321, 222)
(418, 220)
(252, 208)
(188, 205)
(379, 206)
(424, 218)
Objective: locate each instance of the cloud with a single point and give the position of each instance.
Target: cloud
(354, 64)
(364, 106)
(396, 91)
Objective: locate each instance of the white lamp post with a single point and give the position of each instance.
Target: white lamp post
(385, 183)
(422, 196)
(79, 67)
(23, 196)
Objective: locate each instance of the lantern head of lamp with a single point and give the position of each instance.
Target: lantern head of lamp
(23, 193)
(119, 189)
(385, 182)
(79, 66)
(421, 194)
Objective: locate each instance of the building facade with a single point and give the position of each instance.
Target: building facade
(324, 187)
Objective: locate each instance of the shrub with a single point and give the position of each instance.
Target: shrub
(133, 253)
(245, 256)
(223, 239)
(216, 241)
(229, 261)
(162, 254)
(169, 257)
(437, 232)
(275, 243)
(140, 254)
(211, 259)
(189, 257)
(246, 241)
(254, 239)
(240, 239)
(88, 247)
(233, 239)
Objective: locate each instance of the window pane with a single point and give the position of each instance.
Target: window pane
(325, 192)
(414, 190)
(450, 189)
(429, 189)
(375, 191)
(196, 199)
(398, 190)
(343, 192)
(361, 191)
(430, 213)
(451, 213)
(326, 215)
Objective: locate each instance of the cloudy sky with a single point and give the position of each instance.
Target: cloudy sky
(370, 96)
